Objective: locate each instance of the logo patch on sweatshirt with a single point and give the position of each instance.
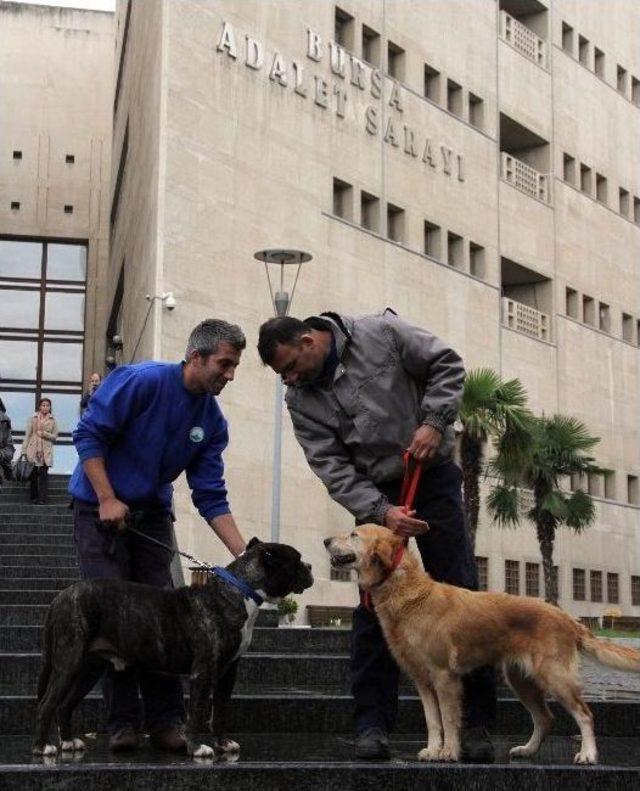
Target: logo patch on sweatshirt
(196, 434)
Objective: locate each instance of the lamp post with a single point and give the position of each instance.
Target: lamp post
(281, 301)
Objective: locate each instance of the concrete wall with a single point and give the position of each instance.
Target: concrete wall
(55, 88)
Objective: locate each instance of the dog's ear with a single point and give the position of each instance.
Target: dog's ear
(382, 553)
(253, 542)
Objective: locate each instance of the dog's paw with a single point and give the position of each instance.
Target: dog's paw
(449, 754)
(522, 751)
(586, 757)
(429, 754)
(226, 746)
(45, 749)
(72, 746)
(202, 751)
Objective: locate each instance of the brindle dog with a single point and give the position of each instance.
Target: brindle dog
(200, 631)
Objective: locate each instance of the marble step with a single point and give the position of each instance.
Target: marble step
(300, 713)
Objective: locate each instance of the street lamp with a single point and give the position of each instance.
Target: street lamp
(281, 301)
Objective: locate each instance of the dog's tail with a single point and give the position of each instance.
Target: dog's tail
(45, 669)
(621, 657)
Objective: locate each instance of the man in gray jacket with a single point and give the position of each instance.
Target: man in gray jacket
(360, 392)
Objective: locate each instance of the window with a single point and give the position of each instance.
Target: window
(532, 579)
(68, 209)
(340, 575)
(595, 579)
(610, 485)
(476, 260)
(42, 293)
(598, 56)
(636, 210)
(583, 51)
(70, 159)
(623, 201)
(395, 61)
(454, 97)
(627, 328)
(432, 84)
(342, 199)
(569, 169)
(585, 178)
(604, 317)
(432, 239)
(476, 111)
(613, 588)
(601, 188)
(638, 332)
(15, 205)
(555, 578)
(395, 223)
(635, 91)
(578, 585)
(17, 154)
(588, 310)
(572, 304)
(633, 494)
(622, 79)
(483, 573)
(594, 484)
(512, 577)
(344, 29)
(567, 38)
(635, 590)
(455, 250)
(369, 211)
(370, 46)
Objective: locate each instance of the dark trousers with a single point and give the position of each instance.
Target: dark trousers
(447, 557)
(104, 554)
(39, 483)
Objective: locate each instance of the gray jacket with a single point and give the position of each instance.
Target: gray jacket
(392, 377)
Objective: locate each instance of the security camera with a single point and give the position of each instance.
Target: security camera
(169, 300)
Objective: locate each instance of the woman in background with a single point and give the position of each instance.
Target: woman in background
(41, 433)
(94, 383)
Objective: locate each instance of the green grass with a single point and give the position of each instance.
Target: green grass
(615, 633)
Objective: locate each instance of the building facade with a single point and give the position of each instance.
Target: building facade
(55, 147)
(473, 163)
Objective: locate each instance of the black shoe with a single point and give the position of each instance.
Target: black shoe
(124, 740)
(373, 744)
(476, 746)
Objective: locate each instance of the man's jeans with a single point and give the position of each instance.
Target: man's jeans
(105, 554)
(447, 557)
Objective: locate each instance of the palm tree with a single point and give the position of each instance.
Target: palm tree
(559, 447)
(491, 408)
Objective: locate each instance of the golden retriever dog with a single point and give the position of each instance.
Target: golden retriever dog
(438, 633)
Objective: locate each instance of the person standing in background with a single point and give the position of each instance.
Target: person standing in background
(6, 444)
(41, 433)
(94, 384)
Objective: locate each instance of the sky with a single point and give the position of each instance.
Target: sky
(94, 5)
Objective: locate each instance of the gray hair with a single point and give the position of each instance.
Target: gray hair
(206, 337)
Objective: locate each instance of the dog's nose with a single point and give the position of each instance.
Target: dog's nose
(307, 566)
(327, 541)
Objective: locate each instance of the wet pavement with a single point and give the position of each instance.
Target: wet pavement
(300, 748)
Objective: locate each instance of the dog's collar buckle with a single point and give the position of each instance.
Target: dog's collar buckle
(245, 589)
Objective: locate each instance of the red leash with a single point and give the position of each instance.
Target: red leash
(410, 483)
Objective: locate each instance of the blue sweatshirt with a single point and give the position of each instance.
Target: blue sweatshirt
(149, 428)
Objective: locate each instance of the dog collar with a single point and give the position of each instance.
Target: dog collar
(246, 590)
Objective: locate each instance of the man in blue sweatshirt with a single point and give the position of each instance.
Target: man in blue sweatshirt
(146, 424)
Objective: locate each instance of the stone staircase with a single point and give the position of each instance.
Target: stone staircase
(291, 713)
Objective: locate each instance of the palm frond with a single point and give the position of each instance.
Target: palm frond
(581, 511)
(503, 504)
